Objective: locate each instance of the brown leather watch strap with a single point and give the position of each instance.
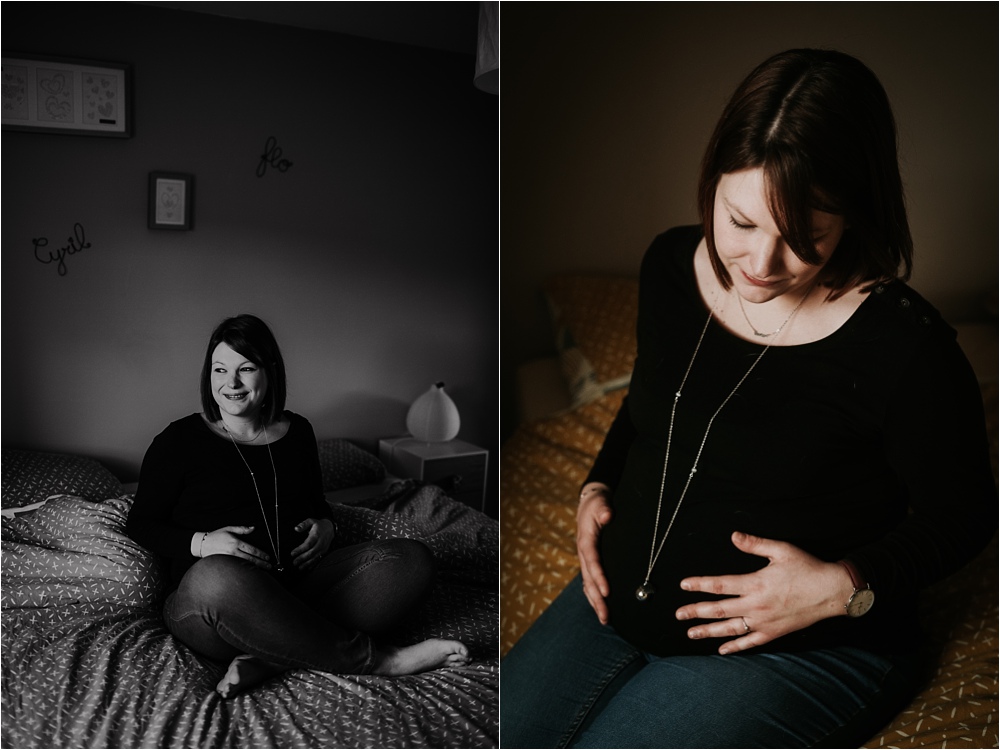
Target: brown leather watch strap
(856, 579)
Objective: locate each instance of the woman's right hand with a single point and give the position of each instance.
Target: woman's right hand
(227, 541)
(592, 515)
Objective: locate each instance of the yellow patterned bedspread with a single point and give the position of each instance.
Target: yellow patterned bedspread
(541, 469)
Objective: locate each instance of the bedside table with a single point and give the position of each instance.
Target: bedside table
(457, 467)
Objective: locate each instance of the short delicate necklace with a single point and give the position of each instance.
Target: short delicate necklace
(646, 589)
(276, 538)
(231, 435)
(762, 335)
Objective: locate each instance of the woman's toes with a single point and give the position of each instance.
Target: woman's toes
(245, 672)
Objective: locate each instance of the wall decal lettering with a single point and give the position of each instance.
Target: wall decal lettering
(272, 158)
(75, 244)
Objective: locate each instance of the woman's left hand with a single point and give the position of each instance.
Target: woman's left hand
(792, 592)
(318, 538)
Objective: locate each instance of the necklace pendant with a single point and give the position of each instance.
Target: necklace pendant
(644, 591)
(763, 335)
(281, 568)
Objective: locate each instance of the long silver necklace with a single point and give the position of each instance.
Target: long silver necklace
(646, 589)
(276, 538)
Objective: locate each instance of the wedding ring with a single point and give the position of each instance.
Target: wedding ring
(745, 625)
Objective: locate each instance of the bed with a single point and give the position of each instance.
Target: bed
(87, 661)
(566, 404)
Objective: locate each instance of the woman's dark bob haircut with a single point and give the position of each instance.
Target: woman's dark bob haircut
(819, 124)
(250, 336)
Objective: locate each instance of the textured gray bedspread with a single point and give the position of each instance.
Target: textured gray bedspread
(87, 661)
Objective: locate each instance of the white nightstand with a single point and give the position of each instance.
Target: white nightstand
(457, 467)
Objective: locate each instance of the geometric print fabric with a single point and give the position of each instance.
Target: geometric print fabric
(30, 477)
(87, 661)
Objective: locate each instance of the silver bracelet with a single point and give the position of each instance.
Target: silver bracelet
(201, 547)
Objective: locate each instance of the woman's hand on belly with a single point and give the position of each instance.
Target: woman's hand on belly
(227, 541)
(319, 536)
(794, 591)
(592, 515)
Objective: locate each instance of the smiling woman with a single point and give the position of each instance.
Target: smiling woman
(233, 497)
(239, 388)
(824, 142)
(751, 246)
(766, 275)
(802, 448)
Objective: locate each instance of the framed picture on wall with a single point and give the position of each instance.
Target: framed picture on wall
(63, 95)
(170, 200)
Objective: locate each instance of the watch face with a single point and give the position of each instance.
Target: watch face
(860, 602)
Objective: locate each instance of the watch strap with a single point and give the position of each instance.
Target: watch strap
(857, 580)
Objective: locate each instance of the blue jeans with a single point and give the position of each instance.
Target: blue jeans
(226, 606)
(572, 682)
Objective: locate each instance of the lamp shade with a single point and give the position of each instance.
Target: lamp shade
(433, 417)
(488, 49)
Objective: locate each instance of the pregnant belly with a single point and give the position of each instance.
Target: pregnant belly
(699, 544)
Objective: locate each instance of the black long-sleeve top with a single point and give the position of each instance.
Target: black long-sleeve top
(869, 444)
(193, 480)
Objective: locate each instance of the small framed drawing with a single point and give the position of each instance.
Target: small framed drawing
(170, 200)
(62, 95)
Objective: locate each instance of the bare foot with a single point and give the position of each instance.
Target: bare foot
(421, 657)
(244, 673)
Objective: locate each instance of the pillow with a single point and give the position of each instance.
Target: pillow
(346, 465)
(72, 552)
(594, 319)
(31, 476)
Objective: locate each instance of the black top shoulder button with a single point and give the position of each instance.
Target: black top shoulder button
(879, 289)
(904, 302)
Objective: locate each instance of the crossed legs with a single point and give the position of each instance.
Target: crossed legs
(230, 610)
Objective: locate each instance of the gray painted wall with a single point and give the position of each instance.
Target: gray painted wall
(372, 257)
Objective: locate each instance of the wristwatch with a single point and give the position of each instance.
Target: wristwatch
(863, 597)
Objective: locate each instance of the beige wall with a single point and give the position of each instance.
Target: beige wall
(607, 108)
